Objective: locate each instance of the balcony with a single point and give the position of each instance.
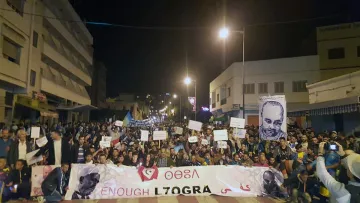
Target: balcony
(57, 86)
(223, 101)
(56, 59)
(67, 36)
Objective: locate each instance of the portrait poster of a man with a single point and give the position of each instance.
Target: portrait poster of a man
(272, 117)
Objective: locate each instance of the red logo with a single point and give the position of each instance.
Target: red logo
(147, 174)
(224, 191)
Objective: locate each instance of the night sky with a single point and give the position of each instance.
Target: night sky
(155, 60)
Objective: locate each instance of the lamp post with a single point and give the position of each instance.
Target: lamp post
(224, 34)
(188, 81)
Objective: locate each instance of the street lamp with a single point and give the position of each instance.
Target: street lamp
(224, 34)
(175, 96)
(170, 103)
(188, 81)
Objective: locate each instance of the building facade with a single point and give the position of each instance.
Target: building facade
(283, 76)
(45, 62)
(98, 88)
(338, 49)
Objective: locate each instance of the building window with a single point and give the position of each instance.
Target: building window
(217, 98)
(32, 78)
(17, 5)
(249, 88)
(336, 53)
(35, 39)
(229, 91)
(299, 86)
(223, 101)
(11, 51)
(263, 88)
(358, 51)
(279, 87)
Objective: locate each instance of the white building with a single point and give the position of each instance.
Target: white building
(45, 50)
(284, 76)
(334, 104)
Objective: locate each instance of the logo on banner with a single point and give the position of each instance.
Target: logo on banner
(147, 174)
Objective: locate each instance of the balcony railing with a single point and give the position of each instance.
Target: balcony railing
(223, 101)
(66, 84)
(61, 50)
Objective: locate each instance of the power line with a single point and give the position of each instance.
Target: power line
(169, 27)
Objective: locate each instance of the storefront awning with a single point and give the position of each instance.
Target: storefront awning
(339, 106)
(77, 108)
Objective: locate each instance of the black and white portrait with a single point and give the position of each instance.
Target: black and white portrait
(272, 117)
(87, 184)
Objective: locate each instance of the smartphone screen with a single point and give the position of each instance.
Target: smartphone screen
(333, 147)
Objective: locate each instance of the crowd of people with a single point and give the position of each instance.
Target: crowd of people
(296, 156)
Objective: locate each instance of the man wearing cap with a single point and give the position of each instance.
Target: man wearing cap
(339, 191)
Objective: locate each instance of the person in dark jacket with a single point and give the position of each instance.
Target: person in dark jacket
(58, 148)
(79, 151)
(19, 148)
(301, 186)
(54, 185)
(19, 181)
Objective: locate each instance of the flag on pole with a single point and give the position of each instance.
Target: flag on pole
(127, 119)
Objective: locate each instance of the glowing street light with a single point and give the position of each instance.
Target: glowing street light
(172, 111)
(169, 102)
(224, 33)
(175, 96)
(187, 81)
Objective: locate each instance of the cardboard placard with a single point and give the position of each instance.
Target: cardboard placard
(193, 139)
(179, 130)
(144, 135)
(32, 159)
(240, 133)
(237, 122)
(104, 144)
(159, 135)
(220, 135)
(195, 125)
(118, 123)
(41, 141)
(204, 142)
(222, 144)
(35, 132)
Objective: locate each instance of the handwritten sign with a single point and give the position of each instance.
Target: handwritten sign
(204, 142)
(42, 141)
(222, 144)
(192, 139)
(240, 133)
(144, 135)
(32, 159)
(220, 135)
(35, 132)
(159, 135)
(106, 138)
(104, 144)
(118, 123)
(237, 122)
(195, 125)
(179, 130)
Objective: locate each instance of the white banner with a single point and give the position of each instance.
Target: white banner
(39, 173)
(272, 117)
(112, 182)
(144, 135)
